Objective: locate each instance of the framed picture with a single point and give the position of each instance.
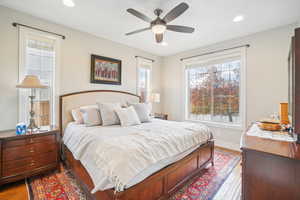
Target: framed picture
(105, 70)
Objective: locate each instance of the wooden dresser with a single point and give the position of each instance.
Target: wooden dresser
(270, 169)
(27, 155)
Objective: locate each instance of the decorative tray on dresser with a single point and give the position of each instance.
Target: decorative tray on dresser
(22, 156)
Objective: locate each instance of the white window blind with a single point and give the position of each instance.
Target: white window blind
(38, 56)
(214, 89)
(144, 68)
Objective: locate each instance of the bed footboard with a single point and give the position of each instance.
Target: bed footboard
(160, 185)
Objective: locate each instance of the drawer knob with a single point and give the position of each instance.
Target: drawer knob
(31, 151)
(31, 140)
(31, 164)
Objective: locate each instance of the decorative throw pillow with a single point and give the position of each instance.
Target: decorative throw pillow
(91, 115)
(77, 116)
(108, 114)
(143, 110)
(128, 116)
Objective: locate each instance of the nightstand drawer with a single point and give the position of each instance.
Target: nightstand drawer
(26, 141)
(19, 152)
(28, 164)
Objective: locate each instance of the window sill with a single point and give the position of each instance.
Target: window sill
(218, 124)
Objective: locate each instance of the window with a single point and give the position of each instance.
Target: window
(214, 88)
(144, 68)
(38, 56)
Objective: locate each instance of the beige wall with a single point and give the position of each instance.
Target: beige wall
(266, 83)
(266, 70)
(75, 62)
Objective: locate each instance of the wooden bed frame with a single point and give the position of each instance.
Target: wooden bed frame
(160, 185)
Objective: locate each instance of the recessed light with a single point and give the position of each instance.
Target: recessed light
(238, 18)
(164, 44)
(69, 3)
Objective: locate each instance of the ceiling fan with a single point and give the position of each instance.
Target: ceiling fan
(160, 25)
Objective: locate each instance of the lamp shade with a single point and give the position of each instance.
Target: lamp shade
(31, 81)
(155, 97)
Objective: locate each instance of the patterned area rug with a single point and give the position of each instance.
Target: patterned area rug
(62, 186)
(55, 186)
(207, 184)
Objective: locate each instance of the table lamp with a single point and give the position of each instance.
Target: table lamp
(32, 82)
(155, 97)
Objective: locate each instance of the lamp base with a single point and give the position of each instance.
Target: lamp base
(32, 125)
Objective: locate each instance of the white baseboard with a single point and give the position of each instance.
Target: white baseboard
(227, 145)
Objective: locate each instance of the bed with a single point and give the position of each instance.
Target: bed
(159, 180)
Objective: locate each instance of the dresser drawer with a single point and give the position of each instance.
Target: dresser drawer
(40, 158)
(19, 152)
(11, 168)
(26, 141)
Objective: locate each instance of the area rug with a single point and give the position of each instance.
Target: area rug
(207, 184)
(62, 185)
(55, 186)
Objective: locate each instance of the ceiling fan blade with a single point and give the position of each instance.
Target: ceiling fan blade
(181, 29)
(159, 37)
(139, 15)
(138, 31)
(175, 12)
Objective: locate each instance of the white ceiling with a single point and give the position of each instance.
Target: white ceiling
(211, 18)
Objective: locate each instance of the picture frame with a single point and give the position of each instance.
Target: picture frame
(105, 70)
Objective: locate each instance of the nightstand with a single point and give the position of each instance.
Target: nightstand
(22, 156)
(161, 116)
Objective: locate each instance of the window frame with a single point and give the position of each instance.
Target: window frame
(239, 52)
(24, 35)
(148, 65)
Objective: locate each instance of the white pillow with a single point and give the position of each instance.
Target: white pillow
(91, 115)
(128, 116)
(143, 110)
(108, 114)
(77, 116)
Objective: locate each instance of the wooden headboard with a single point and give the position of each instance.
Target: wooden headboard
(67, 102)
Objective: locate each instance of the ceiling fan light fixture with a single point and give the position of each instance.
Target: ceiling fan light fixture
(69, 3)
(164, 44)
(238, 18)
(159, 25)
(158, 28)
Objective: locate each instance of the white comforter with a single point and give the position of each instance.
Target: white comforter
(122, 153)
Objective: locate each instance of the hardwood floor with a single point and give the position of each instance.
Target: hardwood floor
(231, 189)
(14, 191)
